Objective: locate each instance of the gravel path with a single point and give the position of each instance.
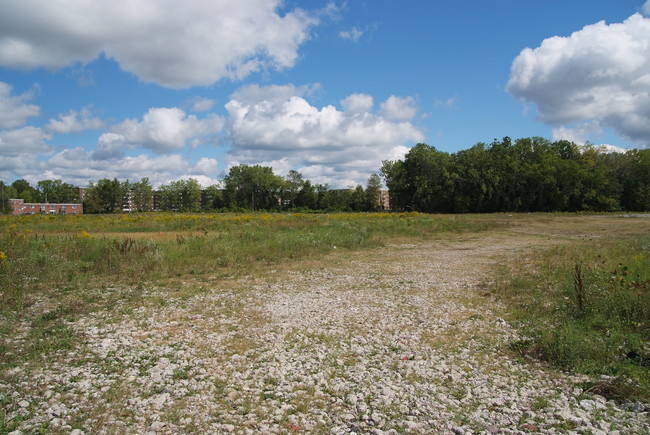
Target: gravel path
(402, 339)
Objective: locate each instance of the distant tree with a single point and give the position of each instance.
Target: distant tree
(142, 195)
(339, 200)
(373, 193)
(323, 195)
(107, 196)
(25, 191)
(181, 195)
(56, 191)
(428, 186)
(396, 179)
(253, 187)
(307, 196)
(292, 187)
(633, 174)
(359, 199)
(6, 192)
(214, 199)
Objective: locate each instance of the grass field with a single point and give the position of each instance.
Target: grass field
(582, 303)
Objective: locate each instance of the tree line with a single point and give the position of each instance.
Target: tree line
(244, 188)
(527, 175)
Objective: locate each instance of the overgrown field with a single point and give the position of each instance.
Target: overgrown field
(582, 305)
(50, 265)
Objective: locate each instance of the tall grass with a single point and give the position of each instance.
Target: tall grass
(586, 308)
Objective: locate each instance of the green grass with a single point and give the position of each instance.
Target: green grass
(585, 308)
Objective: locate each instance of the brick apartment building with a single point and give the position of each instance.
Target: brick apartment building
(18, 206)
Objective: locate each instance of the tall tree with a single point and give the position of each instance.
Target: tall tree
(142, 195)
(253, 187)
(293, 186)
(25, 191)
(181, 195)
(213, 198)
(6, 192)
(56, 191)
(359, 199)
(373, 193)
(107, 196)
(307, 196)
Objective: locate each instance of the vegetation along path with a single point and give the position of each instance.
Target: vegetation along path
(406, 338)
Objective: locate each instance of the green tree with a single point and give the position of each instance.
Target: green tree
(214, 199)
(373, 193)
(359, 199)
(307, 196)
(632, 171)
(6, 193)
(292, 187)
(107, 196)
(323, 196)
(181, 195)
(141, 195)
(253, 187)
(25, 191)
(56, 191)
(396, 179)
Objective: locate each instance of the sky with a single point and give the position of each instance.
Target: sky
(174, 90)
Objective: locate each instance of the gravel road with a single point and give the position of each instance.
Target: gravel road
(400, 339)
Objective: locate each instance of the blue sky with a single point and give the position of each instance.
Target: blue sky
(168, 90)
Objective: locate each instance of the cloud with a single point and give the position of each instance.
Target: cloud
(646, 8)
(14, 111)
(161, 130)
(399, 109)
(74, 122)
(26, 140)
(76, 166)
(449, 102)
(353, 34)
(578, 134)
(328, 145)
(252, 94)
(171, 43)
(200, 104)
(600, 74)
(357, 103)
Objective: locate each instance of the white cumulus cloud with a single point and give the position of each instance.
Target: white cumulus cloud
(161, 130)
(76, 166)
(74, 122)
(200, 104)
(175, 44)
(357, 103)
(599, 75)
(399, 109)
(14, 110)
(578, 134)
(326, 144)
(26, 140)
